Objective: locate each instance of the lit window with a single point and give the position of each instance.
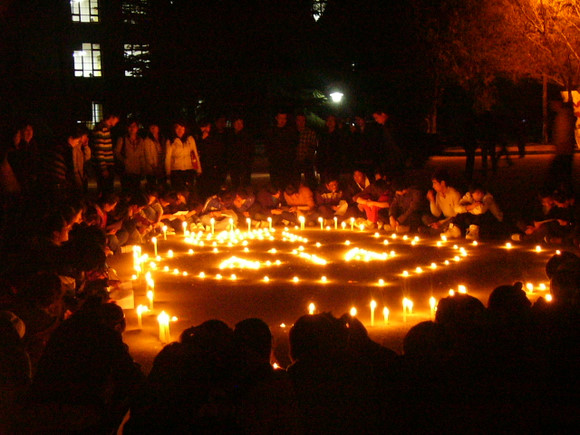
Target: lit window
(87, 60)
(85, 11)
(96, 112)
(318, 7)
(135, 11)
(137, 59)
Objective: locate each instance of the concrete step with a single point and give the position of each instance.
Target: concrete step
(531, 149)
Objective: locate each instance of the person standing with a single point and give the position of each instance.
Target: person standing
(182, 163)
(212, 150)
(153, 144)
(103, 153)
(240, 155)
(307, 146)
(281, 144)
(130, 152)
(330, 150)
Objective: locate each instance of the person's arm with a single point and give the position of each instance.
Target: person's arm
(490, 204)
(168, 153)
(433, 206)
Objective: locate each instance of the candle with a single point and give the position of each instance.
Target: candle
(373, 307)
(212, 223)
(249, 222)
(407, 308)
(163, 319)
(154, 241)
(352, 224)
(140, 310)
(353, 312)
(150, 297)
(549, 297)
(311, 308)
(164, 228)
(270, 223)
(343, 225)
(231, 224)
(301, 219)
(462, 289)
(323, 279)
(335, 223)
(386, 315)
(538, 248)
(184, 226)
(321, 222)
(433, 305)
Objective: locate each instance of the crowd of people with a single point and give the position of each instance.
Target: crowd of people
(63, 364)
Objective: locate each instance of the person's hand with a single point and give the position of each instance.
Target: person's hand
(435, 225)
(430, 196)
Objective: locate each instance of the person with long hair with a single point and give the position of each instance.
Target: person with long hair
(182, 164)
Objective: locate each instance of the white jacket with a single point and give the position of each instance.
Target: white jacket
(489, 204)
(178, 155)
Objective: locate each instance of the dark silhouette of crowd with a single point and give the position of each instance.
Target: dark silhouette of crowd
(507, 367)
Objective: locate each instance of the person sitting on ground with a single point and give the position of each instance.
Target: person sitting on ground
(407, 207)
(330, 199)
(269, 205)
(544, 221)
(216, 215)
(375, 201)
(442, 202)
(300, 202)
(355, 185)
(476, 209)
(242, 204)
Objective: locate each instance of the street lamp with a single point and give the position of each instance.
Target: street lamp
(336, 97)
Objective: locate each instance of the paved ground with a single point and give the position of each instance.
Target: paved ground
(194, 300)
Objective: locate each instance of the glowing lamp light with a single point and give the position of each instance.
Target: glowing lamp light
(558, 252)
(376, 235)
(474, 243)
(353, 312)
(282, 325)
(166, 269)
(311, 308)
(336, 97)
(176, 271)
(185, 274)
(439, 244)
(443, 237)
(446, 262)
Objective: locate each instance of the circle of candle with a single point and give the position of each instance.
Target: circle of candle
(166, 269)
(163, 319)
(386, 315)
(405, 273)
(373, 307)
(140, 310)
(318, 245)
(376, 235)
(164, 229)
(311, 308)
(456, 258)
(405, 237)
(158, 258)
(212, 224)
(134, 277)
(508, 245)
(558, 252)
(282, 325)
(444, 238)
(353, 312)
(176, 271)
(446, 262)
(150, 298)
(362, 227)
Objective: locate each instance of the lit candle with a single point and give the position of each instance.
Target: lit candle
(164, 228)
(343, 225)
(170, 253)
(373, 307)
(433, 305)
(335, 223)
(163, 319)
(249, 222)
(321, 222)
(538, 248)
(311, 308)
(231, 224)
(323, 279)
(212, 223)
(352, 224)
(301, 219)
(266, 279)
(362, 228)
(549, 297)
(150, 297)
(386, 315)
(381, 282)
(270, 223)
(154, 241)
(353, 312)
(462, 289)
(184, 226)
(140, 310)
